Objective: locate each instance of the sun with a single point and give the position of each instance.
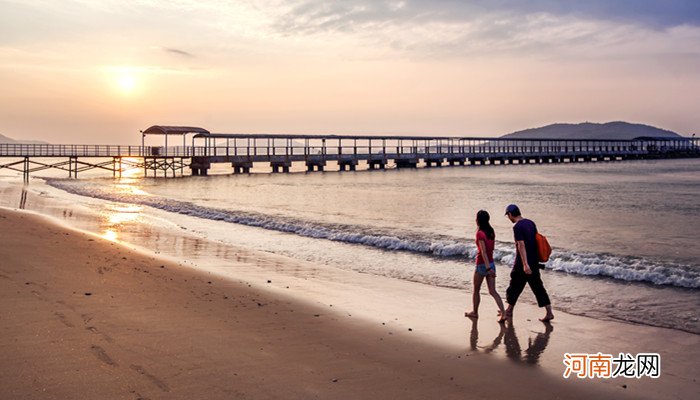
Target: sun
(126, 83)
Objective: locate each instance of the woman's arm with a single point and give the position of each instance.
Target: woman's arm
(484, 256)
(482, 248)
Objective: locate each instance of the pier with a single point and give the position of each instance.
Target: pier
(198, 149)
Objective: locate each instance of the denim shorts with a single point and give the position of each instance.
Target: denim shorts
(481, 269)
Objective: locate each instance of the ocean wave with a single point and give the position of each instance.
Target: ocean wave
(632, 269)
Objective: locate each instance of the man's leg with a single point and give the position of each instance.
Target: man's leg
(516, 286)
(535, 282)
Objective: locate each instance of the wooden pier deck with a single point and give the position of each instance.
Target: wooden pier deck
(242, 151)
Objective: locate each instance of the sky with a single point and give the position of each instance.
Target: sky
(100, 71)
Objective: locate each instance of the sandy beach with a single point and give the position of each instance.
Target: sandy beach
(83, 317)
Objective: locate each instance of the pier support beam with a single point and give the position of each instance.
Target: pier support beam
(242, 167)
(25, 169)
(452, 161)
(430, 161)
(200, 169)
(347, 163)
(318, 165)
(406, 162)
(72, 167)
(280, 166)
(376, 164)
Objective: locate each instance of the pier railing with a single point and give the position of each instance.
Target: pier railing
(281, 150)
(362, 147)
(71, 150)
(301, 147)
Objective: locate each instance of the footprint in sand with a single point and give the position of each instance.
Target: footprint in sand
(161, 385)
(97, 332)
(61, 317)
(101, 355)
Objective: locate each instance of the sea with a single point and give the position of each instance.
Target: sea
(624, 234)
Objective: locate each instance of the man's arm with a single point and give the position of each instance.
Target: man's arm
(520, 244)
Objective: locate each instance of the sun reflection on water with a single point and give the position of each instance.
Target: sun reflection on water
(110, 235)
(130, 168)
(115, 217)
(130, 188)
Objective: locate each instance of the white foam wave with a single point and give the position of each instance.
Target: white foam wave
(588, 264)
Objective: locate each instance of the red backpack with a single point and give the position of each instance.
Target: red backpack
(543, 247)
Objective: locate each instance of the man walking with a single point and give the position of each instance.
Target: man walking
(527, 265)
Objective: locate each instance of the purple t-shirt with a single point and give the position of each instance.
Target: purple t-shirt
(525, 230)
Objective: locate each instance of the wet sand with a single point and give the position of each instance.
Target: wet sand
(83, 317)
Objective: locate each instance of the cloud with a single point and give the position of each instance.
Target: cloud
(524, 27)
(179, 52)
(310, 15)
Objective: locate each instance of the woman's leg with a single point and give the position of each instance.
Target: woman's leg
(491, 283)
(476, 296)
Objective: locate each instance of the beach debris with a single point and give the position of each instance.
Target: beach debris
(88, 294)
(624, 386)
(410, 329)
(162, 266)
(317, 315)
(269, 281)
(334, 380)
(209, 282)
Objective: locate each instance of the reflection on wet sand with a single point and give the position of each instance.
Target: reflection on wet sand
(125, 223)
(23, 198)
(115, 216)
(513, 350)
(474, 338)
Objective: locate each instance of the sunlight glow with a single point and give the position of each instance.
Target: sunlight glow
(127, 80)
(115, 216)
(130, 189)
(127, 83)
(130, 168)
(110, 235)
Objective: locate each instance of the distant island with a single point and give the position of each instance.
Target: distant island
(8, 140)
(618, 130)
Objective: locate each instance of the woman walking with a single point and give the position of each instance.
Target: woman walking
(485, 267)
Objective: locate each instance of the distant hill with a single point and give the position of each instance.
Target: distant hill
(5, 139)
(587, 130)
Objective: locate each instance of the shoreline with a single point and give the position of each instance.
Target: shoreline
(104, 335)
(200, 239)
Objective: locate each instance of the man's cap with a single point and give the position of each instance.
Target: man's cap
(511, 208)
